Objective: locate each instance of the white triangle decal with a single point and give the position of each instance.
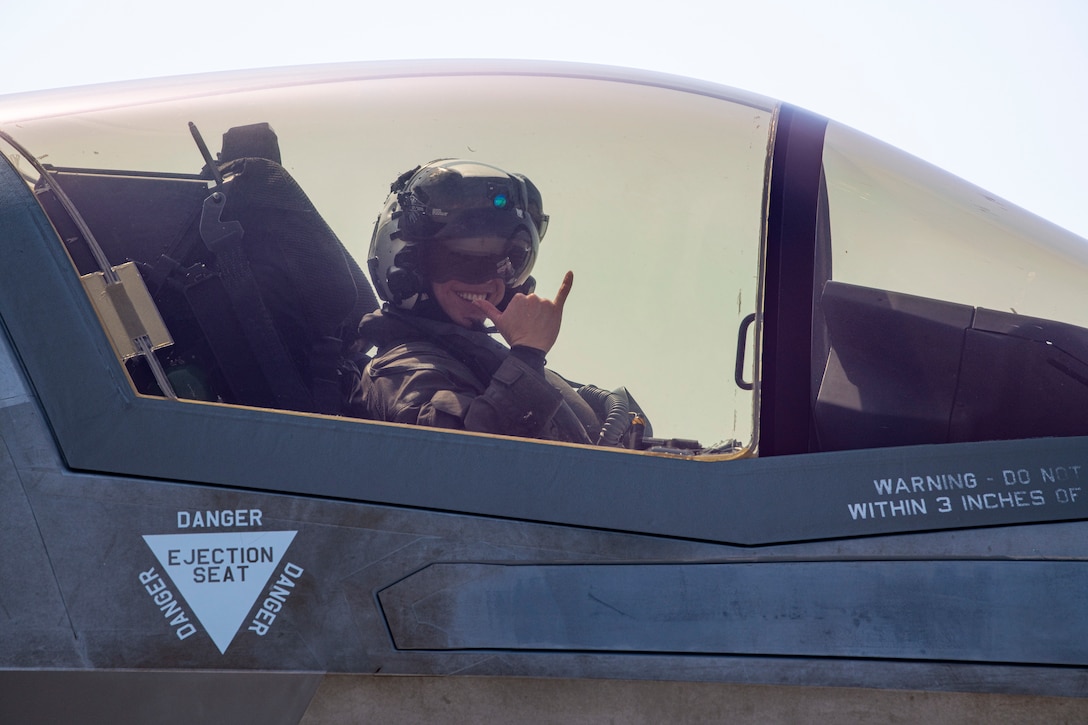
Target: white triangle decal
(221, 575)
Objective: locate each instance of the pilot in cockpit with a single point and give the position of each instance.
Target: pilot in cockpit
(451, 255)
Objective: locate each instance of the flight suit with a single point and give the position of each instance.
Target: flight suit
(439, 374)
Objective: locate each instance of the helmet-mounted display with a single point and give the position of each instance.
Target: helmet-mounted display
(455, 219)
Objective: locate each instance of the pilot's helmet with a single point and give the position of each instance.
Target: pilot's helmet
(455, 219)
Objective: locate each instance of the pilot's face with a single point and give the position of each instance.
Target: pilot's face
(455, 298)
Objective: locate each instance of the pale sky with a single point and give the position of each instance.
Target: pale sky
(991, 90)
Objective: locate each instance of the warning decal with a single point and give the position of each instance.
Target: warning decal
(220, 575)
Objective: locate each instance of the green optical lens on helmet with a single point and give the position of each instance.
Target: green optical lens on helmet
(499, 201)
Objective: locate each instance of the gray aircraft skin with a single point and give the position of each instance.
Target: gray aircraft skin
(898, 524)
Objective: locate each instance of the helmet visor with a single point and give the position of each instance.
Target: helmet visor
(479, 259)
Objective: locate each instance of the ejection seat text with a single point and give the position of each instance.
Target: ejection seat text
(226, 518)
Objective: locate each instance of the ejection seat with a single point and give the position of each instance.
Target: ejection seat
(259, 295)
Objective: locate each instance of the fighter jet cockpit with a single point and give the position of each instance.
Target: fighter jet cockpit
(838, 385)
(755, 279)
